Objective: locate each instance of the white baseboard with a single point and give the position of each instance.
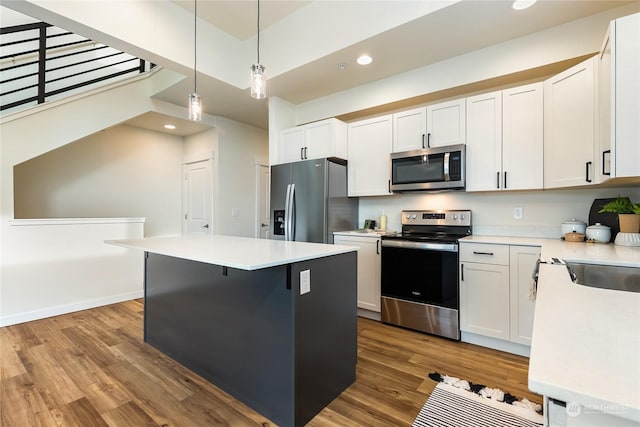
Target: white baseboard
(67, 308)
(373, 315)
(497, 344)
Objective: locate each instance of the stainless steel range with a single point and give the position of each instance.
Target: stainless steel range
(420, 272)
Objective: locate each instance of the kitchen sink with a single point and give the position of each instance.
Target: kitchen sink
(606, 276)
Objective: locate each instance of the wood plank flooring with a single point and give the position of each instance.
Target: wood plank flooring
(92, 368)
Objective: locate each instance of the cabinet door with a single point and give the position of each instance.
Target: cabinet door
(569, 108)
(602, 156)
(368, 151)
(410, 130)
(484, 299)
(368, 269)
(626, 59)
(291, 145)
(522, 261)
(326, 138)
(446, 123)
(484, 142)
(522, 137)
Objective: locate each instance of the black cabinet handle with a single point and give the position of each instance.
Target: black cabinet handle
(377, 247)
(302, 153)
(462, 272)
(423, 144)
(306, 156)
(389, 186)
(483, 253)
(429, 140)
(498, 179)
(587, 171)
(604, 153)
(505, 179)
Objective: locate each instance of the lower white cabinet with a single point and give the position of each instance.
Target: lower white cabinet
(368, 268)
(494, 290)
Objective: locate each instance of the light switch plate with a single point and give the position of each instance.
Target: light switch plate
(517, 212)
(305, 282)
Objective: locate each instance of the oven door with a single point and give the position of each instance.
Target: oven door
(428, 276)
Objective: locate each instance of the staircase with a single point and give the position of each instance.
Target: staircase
(40, 62)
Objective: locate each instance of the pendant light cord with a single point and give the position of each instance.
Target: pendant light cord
(258, 48)
(195, 50)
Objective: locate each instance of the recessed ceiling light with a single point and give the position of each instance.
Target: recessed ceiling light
(364, 60)
(169, 126)
(522, 4)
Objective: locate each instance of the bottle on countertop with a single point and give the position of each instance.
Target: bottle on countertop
(383, 222)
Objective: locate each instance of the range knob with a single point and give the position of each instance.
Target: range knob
(462, 217)
(408, 216)
(455, 217)
(413, 216)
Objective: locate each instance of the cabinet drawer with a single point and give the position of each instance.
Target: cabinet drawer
(485, 253)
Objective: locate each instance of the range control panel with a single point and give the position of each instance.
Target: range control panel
(437, 217)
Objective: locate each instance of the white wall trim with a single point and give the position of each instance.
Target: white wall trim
(67, 308)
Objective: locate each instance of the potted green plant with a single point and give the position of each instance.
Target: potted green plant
(628, 214)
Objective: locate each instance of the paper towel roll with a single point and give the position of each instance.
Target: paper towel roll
(383, 222)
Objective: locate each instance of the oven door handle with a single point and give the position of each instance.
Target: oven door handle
(407, 244)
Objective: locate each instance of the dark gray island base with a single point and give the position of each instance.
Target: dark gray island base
(253, 334)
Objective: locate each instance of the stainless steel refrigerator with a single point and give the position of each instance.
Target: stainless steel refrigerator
(309, 200)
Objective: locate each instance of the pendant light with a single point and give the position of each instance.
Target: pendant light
(195, 102)
(258, 81)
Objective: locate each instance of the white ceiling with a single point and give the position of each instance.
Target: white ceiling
(457, 29)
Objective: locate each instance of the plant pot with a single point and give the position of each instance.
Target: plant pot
(629, 223)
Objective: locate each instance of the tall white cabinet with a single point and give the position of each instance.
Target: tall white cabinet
(618, 153)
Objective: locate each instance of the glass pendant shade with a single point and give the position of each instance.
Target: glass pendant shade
(258, 82)
(195, 107)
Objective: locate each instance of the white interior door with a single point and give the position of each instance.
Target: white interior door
(198, 195)
(263, 196)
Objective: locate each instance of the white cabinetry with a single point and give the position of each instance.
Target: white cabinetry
(505, 139)
(368, 268)
(326, 138)
(446, 123)
(569, 126)
(494, 293)
(410, 130)
(368, 154)
(484, 290)
(619, 100)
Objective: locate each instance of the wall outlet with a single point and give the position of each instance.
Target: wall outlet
(517, 212)
(235, 212)
(305, 282)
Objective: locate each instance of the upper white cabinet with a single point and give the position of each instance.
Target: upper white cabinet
(505, 139)
(484, 142)
(410, 130)
(326, 138)
(619, 100)
(523, 137)
(446, 123)
(368, 153)
(570, 126)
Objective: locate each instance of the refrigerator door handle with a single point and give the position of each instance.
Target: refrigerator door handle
(287, 213)
(292, 213)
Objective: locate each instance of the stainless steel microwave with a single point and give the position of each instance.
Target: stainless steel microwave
(439, 168)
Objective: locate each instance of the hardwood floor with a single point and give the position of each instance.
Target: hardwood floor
(92, 368)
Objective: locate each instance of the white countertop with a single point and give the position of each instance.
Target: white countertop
(590, 253)
(244, 253)
(363, 233)
(586, 345)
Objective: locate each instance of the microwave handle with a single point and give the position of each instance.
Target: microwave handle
(446, 167)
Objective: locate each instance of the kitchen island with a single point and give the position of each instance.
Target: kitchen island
(272, 323)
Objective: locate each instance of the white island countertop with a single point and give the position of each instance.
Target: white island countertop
(244, 253)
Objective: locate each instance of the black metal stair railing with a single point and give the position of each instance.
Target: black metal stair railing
(40, 61)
